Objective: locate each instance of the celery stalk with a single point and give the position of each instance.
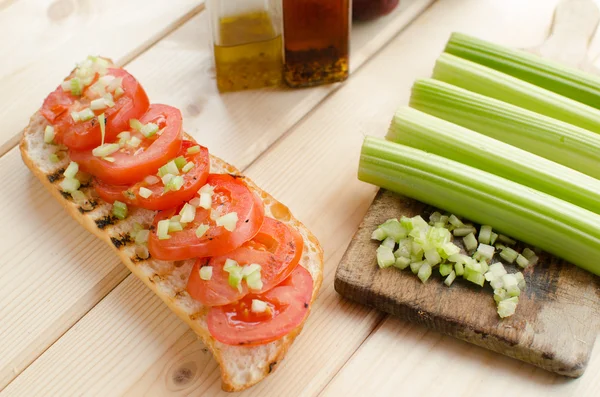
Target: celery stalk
(555, 140)
(419, 130)
(554, 76)
(551, 224)
(489, 82)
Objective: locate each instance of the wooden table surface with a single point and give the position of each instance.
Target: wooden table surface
(73, 321)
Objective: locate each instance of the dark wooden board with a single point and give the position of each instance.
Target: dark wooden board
(555, 324)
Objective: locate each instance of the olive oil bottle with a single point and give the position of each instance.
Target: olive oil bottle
(247, 43)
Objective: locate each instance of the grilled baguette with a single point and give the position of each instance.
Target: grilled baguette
(241, 367)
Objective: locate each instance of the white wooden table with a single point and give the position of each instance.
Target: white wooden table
(74, 322)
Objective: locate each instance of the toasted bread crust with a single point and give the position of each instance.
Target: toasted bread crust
(115, 236)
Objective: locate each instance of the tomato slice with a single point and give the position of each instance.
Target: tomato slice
(159, 200)
(276, 247)
(58, 106)
(230, 195)
(132, 164)
(237, 324)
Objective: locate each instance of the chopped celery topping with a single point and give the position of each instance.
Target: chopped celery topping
(119, 209)
(49, 134)
(206, 273)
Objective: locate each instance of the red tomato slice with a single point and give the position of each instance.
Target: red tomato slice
(59, 104)
(131, 164)
(230, 195)
(237, 324)
(159, 200)
(276, 247)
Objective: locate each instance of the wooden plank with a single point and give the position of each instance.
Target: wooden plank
(320, 187)
(35, 315)
(406, 356)
(43, 40)
(555, 325)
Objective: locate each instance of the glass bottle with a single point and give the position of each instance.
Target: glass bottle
(317, 41)
(247, 43)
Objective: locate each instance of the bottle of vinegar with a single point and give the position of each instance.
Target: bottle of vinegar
(247, 43)
(317, 41)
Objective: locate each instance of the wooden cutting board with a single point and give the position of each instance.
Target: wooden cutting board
(558, 316)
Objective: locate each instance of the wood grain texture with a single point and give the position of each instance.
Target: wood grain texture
(555, 325)
(42, 41)
(313, 170)
(36, 314)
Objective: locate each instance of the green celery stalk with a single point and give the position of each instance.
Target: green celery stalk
(555, 140)
(554, 225)
(419, 130)
(554, 76)
(483, 80)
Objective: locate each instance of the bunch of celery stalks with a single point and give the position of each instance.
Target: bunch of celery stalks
(503, 138)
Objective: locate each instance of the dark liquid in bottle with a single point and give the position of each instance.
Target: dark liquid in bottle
(316, 41)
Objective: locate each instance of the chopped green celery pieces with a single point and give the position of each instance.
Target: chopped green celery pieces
(54, 158)
(49, 134)
(531, 216)
(406, 223)
(416, 257)
(141, 237)
(394, 229)
(432, 257)
(496, 283)
(385, 257)
(389, 242)
(485, 234)
(201, 230)
(557, 77)
(497, 269)
(470, 242)
(415, 266)
(135, 124)
(175, 226)
(454, 221)
(434, 217)
(486, 251)
(463, 231)
(235, 278)
(174, 184)
(71, 170)
(419, 223)
(528, 253)
(193, 150)
(500, 294)
(404, 248)
(378, 234)
(486, 81)
(473, 266)
(231, 265)
(416, 248)
(476, 278)
(149, 130)
(162, 229)
(457, 258)
(180, 162)
(69, 185)
(188, 167)
(425, 132)
(206, 273)
(449, 249)
(119, 209)
(484, 266)
(507, 307)
(402, 262)
(446, 269)
(522, 261)
(571, 146)
(424, 272)
(450, 279)
(493, 238)
(459, 269)
(169, 168)
(509, 254)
